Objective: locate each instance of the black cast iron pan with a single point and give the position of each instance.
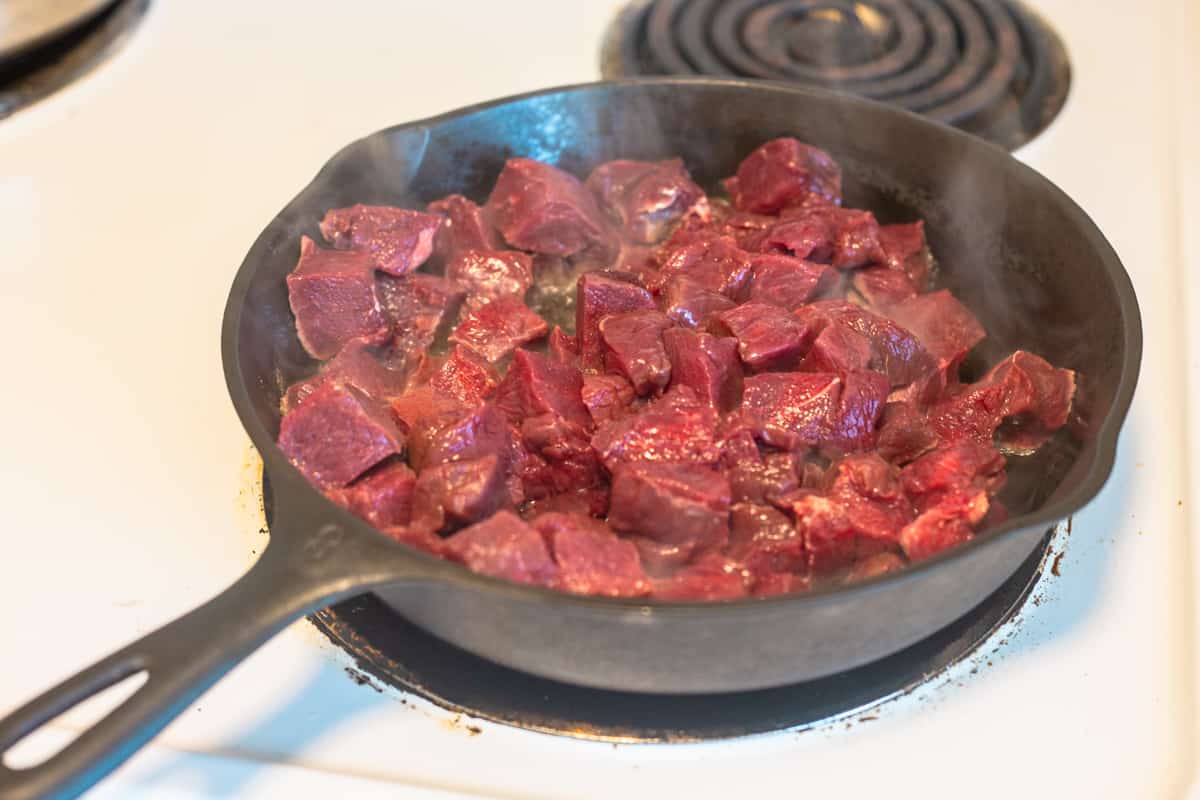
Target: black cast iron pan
(1022, 255)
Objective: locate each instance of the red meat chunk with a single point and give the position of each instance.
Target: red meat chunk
(790, 409)
(895, 352)
(712, 577)
(465, 377)
(707, 365)
(417, 307)
(355, 365)
(844, 237)
(589, 502)
(606, 396)
(904, 433)
(590, 557)
(633, 344)
(838, 349)
(537, 207)
(332, 295)
(945, 525)
(768, 336)
(536, 384)
(768, 546)
(458, 493)
(963, 467)
(786, 281)
(715, 263)
(397, 240)
(599, 294)
(646, 197)
(562, 346)
(383, 497)
(498, 328)
(678, 504)
(905, 251)
(419, 538)
(463, 227)
(559, 457)
(785, 172)
(458, 435)
(882, 287)
(874, 566)
(489, 274)
(336, 434)
(758, 478)
(943, 325)
(674, 428)
(690, 304)
(504, 546)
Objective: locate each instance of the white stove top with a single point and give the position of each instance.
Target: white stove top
(129, 200)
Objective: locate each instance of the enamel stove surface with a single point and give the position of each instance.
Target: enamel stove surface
(128, 201)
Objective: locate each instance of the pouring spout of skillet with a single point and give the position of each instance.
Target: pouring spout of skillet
(1017, 251)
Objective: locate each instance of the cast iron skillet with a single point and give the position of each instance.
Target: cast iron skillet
(1015, 248)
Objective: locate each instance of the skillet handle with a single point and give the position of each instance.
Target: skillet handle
(295, 576)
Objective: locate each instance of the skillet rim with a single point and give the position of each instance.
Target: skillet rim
(433, 568)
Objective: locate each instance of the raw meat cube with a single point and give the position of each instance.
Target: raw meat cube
(423, 401)
(844, 237)
(383, 497)
(882, 287)
(962, 467)
(559, 457)
(874, 566)
(599, 294)
(711, 577)
(873, 498)
(465, 377)
(646, 197)
(943, 325)
(537, 207)
(562, 346)
(397, 240)
(498, 328)
(759, 478)
(690, 304)
(590, 557)
(785, 172)
(489, 274)
(679, 504)
(589, 502)
(355, 365)
(504, 546)
(458, 435)
(768, 336)
(463, 227)
(536, 384)
(674, 428)
(854, 422)
(336, 434)
(839, 349)
(905, 251)
(332, 295)
(943, 526)
(896, 352)
(458, 493)
(786, 281)
(606, 396)
(419, 538)
(768, 546)
(791, 409)
(707, 365)
(904, 433)
(747, 229)
(633, 344)
(715, 263)
(417, 306)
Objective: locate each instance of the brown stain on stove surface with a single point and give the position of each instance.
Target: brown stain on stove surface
(1054, 568)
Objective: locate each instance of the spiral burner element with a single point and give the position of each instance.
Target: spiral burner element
(990, 67)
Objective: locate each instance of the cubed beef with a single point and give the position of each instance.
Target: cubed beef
(418, 306)
(707, 365)
(768, 336)
(785, 172)
(791, 409)
(746, 228)
(715, 263)
(590, 502)
(562, 346)
(961, 467)
(397, 240)
(679, 504)
(355, 365)
(711, 577)
(458, 435)
(463, 227)
(674, 428)
(767, 545)
(599, 294)
(882, 287)
(458, 493)
(945, 525)
(854, 423)
(489, 274)
(383, 497)
(839, 349)
(465, 376)
(590, 557)
(690, 304)
(943, 325)
(904, 433)
(646, 197)
(540, 208)
(498, 328)
(871, 492)
(760, 478)
(560, 457)
(633, 346)
(424, 401)
(874, 566)
(332, 295)
(504, 546)
(895, 351)
(420, 538)
(536, 384)
(844, 237)
(336, 434)
(606, 396)
(905, 251)
(786, 281)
